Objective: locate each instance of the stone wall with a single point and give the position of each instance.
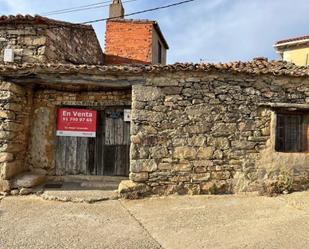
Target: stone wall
(38, 43)
(15, 109)
(204, 133)
(73, 45)
(42, 147)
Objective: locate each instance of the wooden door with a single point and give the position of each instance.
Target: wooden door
(72, 156)
(107, 154)
(116, 143)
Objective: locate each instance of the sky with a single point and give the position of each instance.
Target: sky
(203, 30)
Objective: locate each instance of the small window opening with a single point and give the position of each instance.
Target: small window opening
(159, 53)
(291, 133)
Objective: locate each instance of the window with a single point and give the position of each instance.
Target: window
(159, 53)
(291, 133)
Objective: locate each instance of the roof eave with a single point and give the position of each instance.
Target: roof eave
(291, 43)
(157, 28)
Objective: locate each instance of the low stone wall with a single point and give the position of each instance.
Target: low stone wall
(42, 146)
(204, 133)
(15, 109)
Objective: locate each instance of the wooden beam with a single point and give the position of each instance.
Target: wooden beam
(286, 106)
(79, 79)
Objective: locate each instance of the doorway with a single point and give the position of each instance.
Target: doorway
(107, 154)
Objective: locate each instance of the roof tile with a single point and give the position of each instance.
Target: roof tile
(293, 39)
(37, 20)
(256, 67)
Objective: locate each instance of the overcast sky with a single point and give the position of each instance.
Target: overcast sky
(208, 30)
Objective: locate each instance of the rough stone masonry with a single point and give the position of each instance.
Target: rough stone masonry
(15, 107)
(196, 129)
(208, 133)
(41, 40)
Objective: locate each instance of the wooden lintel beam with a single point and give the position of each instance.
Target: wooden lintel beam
(93, 80)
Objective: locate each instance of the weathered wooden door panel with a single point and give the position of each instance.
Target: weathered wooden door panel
(99, 144)
(82, 155)
(60, 155)
(122, 162)
(117, 143)
(107, 154)
(116, 160)
(72, 155)
(109, 160)
(91, 169)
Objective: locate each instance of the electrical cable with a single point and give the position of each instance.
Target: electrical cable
(82, 9)
(139, 12)
(51, 26)
(77, 7)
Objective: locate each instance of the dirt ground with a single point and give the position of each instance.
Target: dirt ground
(170, 222)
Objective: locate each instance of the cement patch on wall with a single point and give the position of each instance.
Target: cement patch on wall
(42, 145)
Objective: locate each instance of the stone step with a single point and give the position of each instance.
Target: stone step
(28, 180)
(88, 196)
(85, 178)
(89, 192)
(100, 185)
(82, 185)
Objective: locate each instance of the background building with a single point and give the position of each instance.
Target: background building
(295, 50)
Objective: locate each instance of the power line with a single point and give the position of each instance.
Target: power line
(57, 26)
(77, 9)
(139, 12)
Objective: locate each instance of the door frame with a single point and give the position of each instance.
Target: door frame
(99, 108)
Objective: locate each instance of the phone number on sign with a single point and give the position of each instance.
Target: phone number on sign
(72, 119)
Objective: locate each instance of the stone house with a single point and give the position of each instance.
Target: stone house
(220, 128)
(42, 40)
(194, 128)
(72, 54)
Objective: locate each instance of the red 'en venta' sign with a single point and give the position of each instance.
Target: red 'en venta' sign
(76, 122)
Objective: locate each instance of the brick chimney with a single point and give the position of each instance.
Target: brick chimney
(130, 41)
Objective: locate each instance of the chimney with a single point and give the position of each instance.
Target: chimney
(116, 9)
(130, 41)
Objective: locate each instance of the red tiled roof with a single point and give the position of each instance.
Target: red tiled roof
(37, 20)
(255, 67)
(293, 39)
